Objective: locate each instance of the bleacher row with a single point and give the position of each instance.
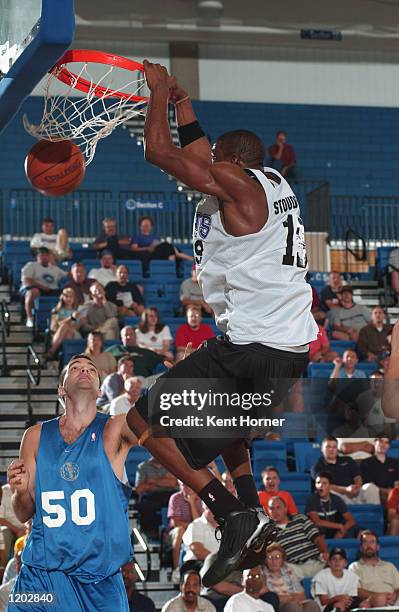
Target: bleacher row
(300, 455)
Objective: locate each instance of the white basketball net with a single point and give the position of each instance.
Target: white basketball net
(87, 119)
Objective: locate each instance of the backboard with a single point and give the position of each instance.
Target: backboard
(33, 35)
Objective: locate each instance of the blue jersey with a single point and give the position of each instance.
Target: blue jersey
(80, 525)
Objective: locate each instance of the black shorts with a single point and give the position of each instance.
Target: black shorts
(250, 368)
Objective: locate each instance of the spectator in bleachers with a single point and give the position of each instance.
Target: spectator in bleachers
(394, 262)
(80, 283)
(393, 512)
(137, 601)
(107, 272)
(337, 588)
(191, 293)
(348, 319)
(328, 511)
(281, 579)
(250, 599)
(147, 242)
(189, 598)
(373, 337)
(379, 580)
(346, 480)
(101, 315)
(11, 567)
(319, 349)
(369, 406)
(220, 592)
(271, 482)
(154, 486)
(65, 323)
(183, 507)
(7, 587)
(39, 278)
(199, 537)
(153, 335)
(11, 527)
(125, 294)
(104, 362)
(282, 157)
(348, 371)
(56, 243)
(329, 294)
(381, 469)
(145, 361)
(109, 240)
(122, 403)
(113, 384)
(194, 332)
(304, 545)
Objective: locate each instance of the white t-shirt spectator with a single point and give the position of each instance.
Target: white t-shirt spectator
(47, 275)
(242, 602)
(200, 531)
(102, 275)
(120, 405)
(151, 340)
(325, 583)
(191, 290)
(177, 605)
(44, 240)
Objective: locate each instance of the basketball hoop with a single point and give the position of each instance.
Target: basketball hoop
(109, 98)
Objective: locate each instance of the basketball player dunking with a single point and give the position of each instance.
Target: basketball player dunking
(69, 479)
(251, 264)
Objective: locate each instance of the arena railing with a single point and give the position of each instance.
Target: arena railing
(5, 322)
(81, 213)
(355, 245)
(33, 375)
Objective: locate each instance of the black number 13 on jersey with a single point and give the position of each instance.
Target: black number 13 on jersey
(295, 239)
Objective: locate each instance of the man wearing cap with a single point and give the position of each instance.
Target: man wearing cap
(39, 278)
(107, 272)
(348, 318)
(191, 293)
(336, 588)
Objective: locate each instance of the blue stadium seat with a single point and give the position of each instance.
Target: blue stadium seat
(307, 584)
(340, 346)
(306, 454)
(300, 499)
(368, 516)
(269, 453)
(43, 306)
(295, 482)
(162, 269)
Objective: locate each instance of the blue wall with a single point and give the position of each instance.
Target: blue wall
(355, 148)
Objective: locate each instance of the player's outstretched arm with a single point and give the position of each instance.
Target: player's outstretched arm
(187, 121)
(21, 475)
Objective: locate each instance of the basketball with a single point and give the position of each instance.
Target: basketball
(55, 168)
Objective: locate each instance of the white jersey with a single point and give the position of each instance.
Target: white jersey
(255, 284)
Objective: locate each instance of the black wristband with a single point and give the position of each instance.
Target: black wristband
(189, 133)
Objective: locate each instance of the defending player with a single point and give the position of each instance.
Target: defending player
(251, 264)
(69, 479)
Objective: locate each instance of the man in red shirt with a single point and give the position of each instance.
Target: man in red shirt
(193, 332)
(271, 482)
(282, 157)
(319, 349)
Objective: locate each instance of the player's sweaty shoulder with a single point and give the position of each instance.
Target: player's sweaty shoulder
(30, 441)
